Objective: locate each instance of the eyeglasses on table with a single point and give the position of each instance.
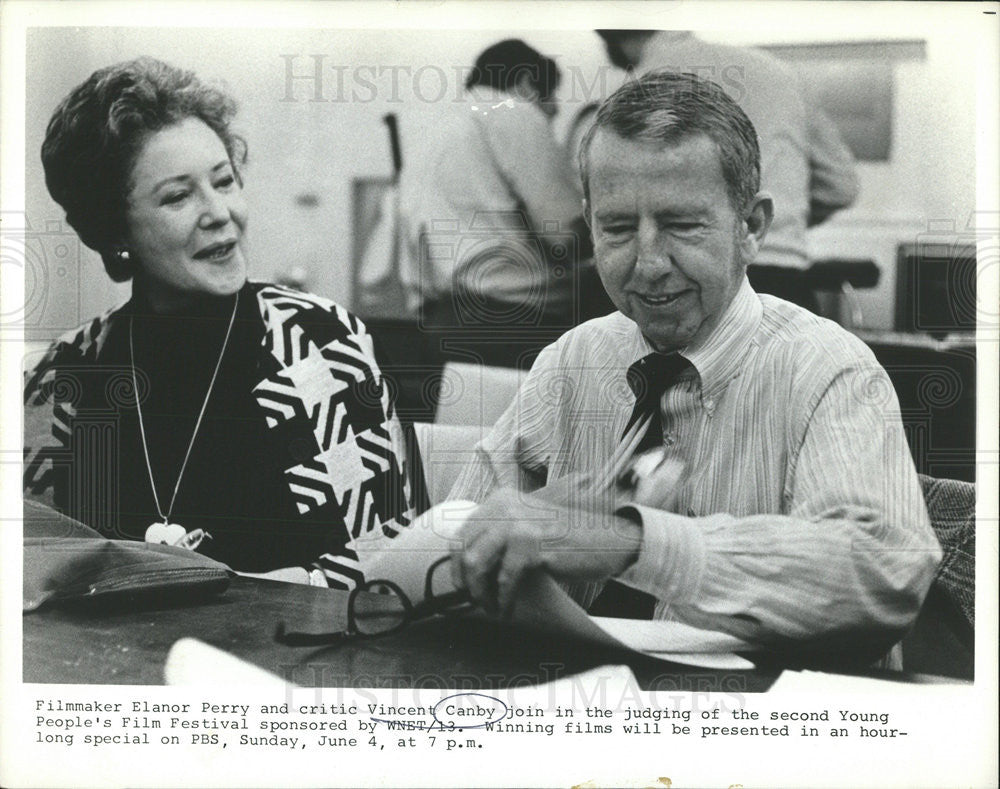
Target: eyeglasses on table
(380, 607)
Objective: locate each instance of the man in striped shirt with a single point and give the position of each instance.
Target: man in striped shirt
(798, 516)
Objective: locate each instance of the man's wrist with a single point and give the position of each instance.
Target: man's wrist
(671, 562)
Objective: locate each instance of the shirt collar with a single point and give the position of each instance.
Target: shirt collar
(721, 356)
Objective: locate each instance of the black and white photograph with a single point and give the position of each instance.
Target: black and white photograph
(499, 394)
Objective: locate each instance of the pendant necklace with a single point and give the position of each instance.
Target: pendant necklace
(166, 532)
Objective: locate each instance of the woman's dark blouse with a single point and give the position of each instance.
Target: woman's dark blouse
(236, 485)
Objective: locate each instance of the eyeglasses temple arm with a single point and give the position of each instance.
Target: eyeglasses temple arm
(294, 639)
(438, 603)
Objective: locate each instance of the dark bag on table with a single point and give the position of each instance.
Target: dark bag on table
(66, 562)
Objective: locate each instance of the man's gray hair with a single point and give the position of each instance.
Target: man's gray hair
(667, 107)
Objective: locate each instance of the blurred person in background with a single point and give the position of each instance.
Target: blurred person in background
(805, 166)
(495, 213)
(242, 419)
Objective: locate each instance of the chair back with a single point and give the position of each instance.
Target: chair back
(942, 640)
(443, 451)
(951, 505)
(474, 394)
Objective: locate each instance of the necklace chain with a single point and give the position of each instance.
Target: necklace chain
(197, 425)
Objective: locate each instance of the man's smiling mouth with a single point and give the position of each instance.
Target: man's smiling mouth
(660, 300)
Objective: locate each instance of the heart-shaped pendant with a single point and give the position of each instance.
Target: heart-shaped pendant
(165, 533)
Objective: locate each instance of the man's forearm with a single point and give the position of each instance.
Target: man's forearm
(775, 578)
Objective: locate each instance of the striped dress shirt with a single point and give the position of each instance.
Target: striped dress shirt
(798, 514)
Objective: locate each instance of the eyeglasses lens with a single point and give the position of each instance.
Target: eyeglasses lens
(442, 594)
(440, 580)
(380, 612)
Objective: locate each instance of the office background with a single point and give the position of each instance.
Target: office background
(306, 154)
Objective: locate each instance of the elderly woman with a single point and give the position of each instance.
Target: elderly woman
(241, 419)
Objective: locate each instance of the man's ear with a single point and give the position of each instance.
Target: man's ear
(756, 222)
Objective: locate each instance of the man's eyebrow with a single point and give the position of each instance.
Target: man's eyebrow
(610, 215)
(682, 212)
(223, 164)
(685, 212)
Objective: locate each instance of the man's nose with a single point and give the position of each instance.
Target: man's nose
(653, 251)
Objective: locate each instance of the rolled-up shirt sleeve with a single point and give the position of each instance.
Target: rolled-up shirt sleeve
(852, 551)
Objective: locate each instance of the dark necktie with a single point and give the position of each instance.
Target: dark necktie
(648, 379)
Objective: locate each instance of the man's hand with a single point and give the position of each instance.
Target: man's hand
(512, 532)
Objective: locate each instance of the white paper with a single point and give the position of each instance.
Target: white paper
(194, 663)
(652, 635)
(813, 681)
(541, 602)
(405, 558)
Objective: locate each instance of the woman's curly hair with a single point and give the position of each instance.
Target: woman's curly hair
(97, 131)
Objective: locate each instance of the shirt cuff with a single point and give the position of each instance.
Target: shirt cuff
(672, 556)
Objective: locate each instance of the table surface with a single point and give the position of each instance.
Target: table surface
(129, 646)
